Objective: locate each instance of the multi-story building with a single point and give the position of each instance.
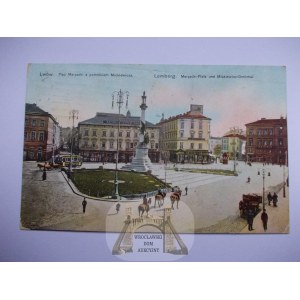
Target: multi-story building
(267, 141)
(98, 138)
(213, 143)
(233, 144)
(185, 137)
(41, 134)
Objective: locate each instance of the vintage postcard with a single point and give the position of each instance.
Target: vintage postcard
(155, 151)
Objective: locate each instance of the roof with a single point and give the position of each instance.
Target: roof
(264, 121)
(113, 119)
(188, 115)
(33, 109)
(240, 136)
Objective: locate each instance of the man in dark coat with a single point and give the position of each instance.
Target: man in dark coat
(275, 199)
(84, 203)
(269, 198)
(250, 217)
(44, 177)
(264, 218)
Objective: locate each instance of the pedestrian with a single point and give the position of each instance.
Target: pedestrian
(118, 207)
(44, 177)
(241, 208)
(250, 217)
(186, 190)
(275, 199)
(149, 201)
(264, 218)
(84, 203)
(269, 198)
(145, 200)
(248, 180)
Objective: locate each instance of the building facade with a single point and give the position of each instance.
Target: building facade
(98, 138)
(267, 141)
(233, 144)
(185, 137)
(41, 134)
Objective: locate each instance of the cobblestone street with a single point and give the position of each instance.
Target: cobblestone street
(211, 205)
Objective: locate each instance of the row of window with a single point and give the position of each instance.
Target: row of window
(34, 136)
(193, 124)
(265, 143)
(111, 144)
(264, 131)
(112, 133)
(34, 122)
(192, 146)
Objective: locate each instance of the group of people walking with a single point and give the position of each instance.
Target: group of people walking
(272, 198)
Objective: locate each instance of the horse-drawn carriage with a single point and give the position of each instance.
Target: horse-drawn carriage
(48, 166)
(249, 202)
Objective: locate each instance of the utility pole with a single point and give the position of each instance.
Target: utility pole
(73, 115)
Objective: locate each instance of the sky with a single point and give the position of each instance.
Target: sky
(231, 95)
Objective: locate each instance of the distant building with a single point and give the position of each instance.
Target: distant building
(41, 134)
(213, 142)
(233, 144)
(185, 137)
(267, 141)
(98, 138)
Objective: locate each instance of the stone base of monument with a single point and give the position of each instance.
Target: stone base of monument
(141, 161)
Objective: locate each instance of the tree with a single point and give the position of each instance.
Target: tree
(217, 150)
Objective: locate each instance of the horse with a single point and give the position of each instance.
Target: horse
(160, 199)
(175, 197)
(143, 208)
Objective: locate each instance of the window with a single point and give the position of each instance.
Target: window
(41, 136)
(270, 131)
(111, 144)
(200, 124)
(112, 133)
(94, 132)
(258, 132)
(156, 145)
(128, 134)
(181, 134)
(103, 145)
(135, 134)
(33, 123)
(192, 145)
(85, 143)
(192, 124)
(120, 134)
(26, 122)
(152, 135)
(182, 124)
(280, 143)
(94, 144)
(250, 131)
(181, 145)
(33, 135)
(42, 123)
(120, 145)
(250, 142)
(86, 132)
(127, 145)
(192, 135)
(25, 135)
(104, 133)
(258, 142)
(152, 145)
(131, 145)
(200, 135)
(266, 132)
(200, 146)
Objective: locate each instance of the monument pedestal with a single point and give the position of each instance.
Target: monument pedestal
(141, 161)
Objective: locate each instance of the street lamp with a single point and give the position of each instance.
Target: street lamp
(73, 115)
(118, 97)
(263, 176)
